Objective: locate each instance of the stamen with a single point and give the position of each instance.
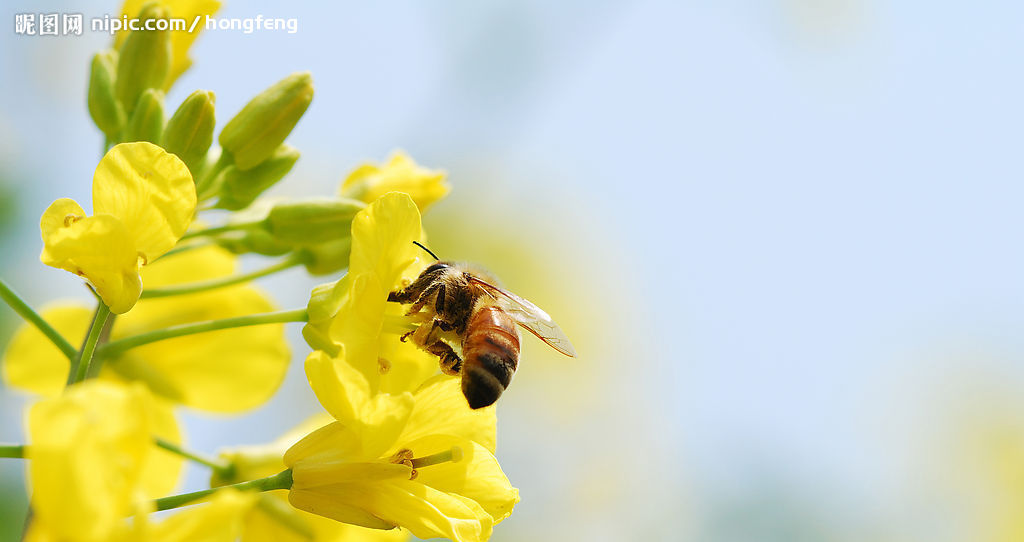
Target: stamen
(383, 366)
(143, 260)
(454, 455)
(404, 457)
(71, 219)
(398, 325)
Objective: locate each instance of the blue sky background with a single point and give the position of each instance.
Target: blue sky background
(787, 234)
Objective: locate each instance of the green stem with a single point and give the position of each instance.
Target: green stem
(204, 285)
(33, 317)
(116, 347)
(184, 248)
(205, 188)
(85, 359)
(281, 480)
(222, 468)
(15, 451)
(221, 229)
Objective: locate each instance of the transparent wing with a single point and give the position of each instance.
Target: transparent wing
(528, 315)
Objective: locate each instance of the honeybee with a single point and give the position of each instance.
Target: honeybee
(458, 304)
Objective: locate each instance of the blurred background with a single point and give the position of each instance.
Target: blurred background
(783, 236)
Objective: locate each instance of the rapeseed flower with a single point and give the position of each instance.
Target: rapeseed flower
(422, 461)
(229, 370)
(92, 459)
(143, 201)
(399, 174)
(354, 311)
(271, 518)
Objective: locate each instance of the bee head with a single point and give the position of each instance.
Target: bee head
(434, 267)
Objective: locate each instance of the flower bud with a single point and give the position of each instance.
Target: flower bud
(104, 108)
(189, 131)
(257, 240)
(147, 122)
(240, 188)
(263, 124)
(253, 241)
(310, 222)
(145, 59)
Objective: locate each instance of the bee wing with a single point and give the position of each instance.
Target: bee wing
(528, 315)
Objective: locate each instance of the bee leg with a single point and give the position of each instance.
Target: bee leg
(439, 300)
(415, 290)
(448, 360)
(436, 324)
(423, 298)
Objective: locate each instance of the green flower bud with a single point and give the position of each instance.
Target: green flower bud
(253, 241)
(147, 122)
(329, 257)
(145, 59)
(310, 222)
(240, 188)
(104, 108)
(189, 132)
(263, 124)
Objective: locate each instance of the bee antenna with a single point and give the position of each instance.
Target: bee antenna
(417, 243)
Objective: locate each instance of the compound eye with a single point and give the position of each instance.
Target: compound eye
(435, 267)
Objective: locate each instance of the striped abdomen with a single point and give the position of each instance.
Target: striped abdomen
(491, 353)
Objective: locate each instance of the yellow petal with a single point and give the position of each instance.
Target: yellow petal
(87, 451)
(334, 441)
(444, 394)
(99, 248)
(324, 502)
(378, 419)
(334, 531)
(382, 239)
(228, 370)
(423, 510)
(276, 520)
(310, 474)
(476, 475)
(58, 215)
(400, 174)
(162, 470)
(358, 324)
(150, 191)
(407, 366)
(209, 262)
(32, 363)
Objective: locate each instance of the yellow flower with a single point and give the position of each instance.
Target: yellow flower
(90, 451)
(229, 370)
(421, 461)
(272, 519)
(180, 41)
(143, 201)
(400, 174)
(354, 311)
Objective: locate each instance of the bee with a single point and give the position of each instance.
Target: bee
(458, 304)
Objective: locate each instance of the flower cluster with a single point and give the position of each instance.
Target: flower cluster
(175, 324)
